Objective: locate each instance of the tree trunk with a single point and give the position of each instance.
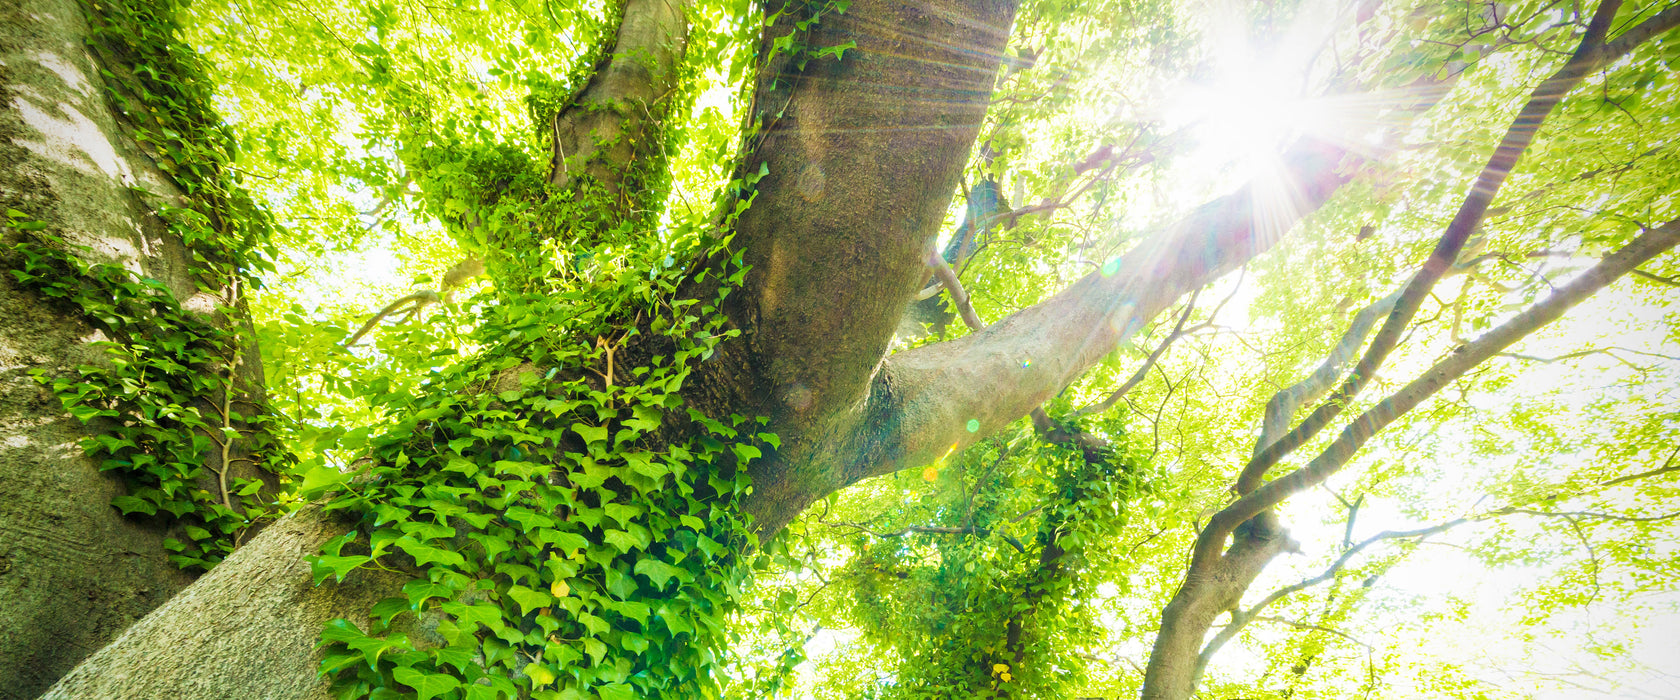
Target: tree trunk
(73, 571)
(247, 629)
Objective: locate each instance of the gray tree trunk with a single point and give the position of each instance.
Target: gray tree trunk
(247, 629)
(74, 573)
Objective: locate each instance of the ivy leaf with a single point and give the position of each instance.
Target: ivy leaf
(373, 647)
(426, 554)
(642, 463)
(659, 572)
(590, 433)
(460, 657)
(633, 610)
(339, 567)
(747, 453)
(425, 685)
(389, 608)
(529, 599)
(539, 674)
(420, 591)
(319, 478)
(133, 504)
(616, 691)
(624, 541)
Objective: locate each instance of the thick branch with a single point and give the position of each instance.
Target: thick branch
(862, 154)
(926, 397)
(1283, 405)
(1588, 56)
(625, 103)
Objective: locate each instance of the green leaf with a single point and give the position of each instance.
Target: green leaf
(419, 591)
(659, 572)
(132, 504)
(322, 565)
(319, 478)
(616, 691)
(426, 554)
(590, 433)
(529, 599)
(425, 685)
(539, 674)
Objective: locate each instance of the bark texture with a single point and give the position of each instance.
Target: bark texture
(247, 629)
(73, 572)
(626, 101)
(862, 155)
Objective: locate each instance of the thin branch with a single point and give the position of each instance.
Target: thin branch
(1651, 243)
(1588, 56)
(1668, 466)
(1593, 515)
(1310, 626)
(930, 530)
(1670, 281)
(1148, 363)
(959, 296)
(1241, 618)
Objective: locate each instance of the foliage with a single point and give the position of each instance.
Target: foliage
(568, 521)
(167, 396)
(567, 549)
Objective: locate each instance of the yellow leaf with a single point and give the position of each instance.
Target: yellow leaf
(559, 589)
(1006, 677)
(999, 668)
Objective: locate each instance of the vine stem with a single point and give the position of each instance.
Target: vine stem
(227, 426)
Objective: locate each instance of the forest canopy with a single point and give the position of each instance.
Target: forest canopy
(975, 349)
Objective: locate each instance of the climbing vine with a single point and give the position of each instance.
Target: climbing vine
(172, 412)
(570, 520)
(986, 601)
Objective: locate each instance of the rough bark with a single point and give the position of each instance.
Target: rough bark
(626, 100)
(74, 572)
(251, 626)
(863, 155)
(247, 629)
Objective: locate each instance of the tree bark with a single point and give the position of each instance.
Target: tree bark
(862, 155)
(73, 571)
(247, 629)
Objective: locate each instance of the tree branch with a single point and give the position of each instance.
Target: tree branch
(1148, 363)
(1640, 33)
(1014, 365)
(626, 100)
(1644, 247)
(861, 156)
(1241, 618)
(1283, 405)
(1588, 56)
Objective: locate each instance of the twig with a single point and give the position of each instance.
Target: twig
(1148, 363)
(959, 296)
(1670, 281)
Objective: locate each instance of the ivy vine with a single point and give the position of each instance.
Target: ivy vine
(171, 414)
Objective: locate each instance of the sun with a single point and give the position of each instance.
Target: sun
(1251, 101)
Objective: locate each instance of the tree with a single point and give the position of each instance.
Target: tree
(561, 483)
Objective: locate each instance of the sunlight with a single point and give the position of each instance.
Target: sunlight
(1254, 99)
(1245, 116)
